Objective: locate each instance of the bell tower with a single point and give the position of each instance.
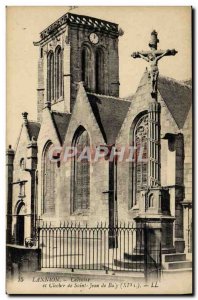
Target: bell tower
(76, 48)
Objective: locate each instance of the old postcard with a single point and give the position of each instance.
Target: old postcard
(99, 150)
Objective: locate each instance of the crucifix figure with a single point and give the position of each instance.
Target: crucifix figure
(152, 57)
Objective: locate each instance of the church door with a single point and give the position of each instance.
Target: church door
(20, 230)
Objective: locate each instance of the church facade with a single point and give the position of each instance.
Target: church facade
(78, 106)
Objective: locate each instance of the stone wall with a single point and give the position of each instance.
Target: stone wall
(188, 147)
(71, 39)
(99, 171)
(21, 259)
(20, 173)
(188, 182)
(109, 44)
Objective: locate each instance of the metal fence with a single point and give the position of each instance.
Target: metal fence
(120, 248)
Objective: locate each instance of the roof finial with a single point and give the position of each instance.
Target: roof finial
(120, 31)
(25, 119)
(48, 104)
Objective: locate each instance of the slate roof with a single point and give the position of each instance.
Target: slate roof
(110, 113)
(33, 129)
(61, 122)
(129, 98)
(188, 82)
(178, 98)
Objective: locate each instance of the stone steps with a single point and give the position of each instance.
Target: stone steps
(174, 257)
(134, 257)
(177, 271)
(128, 264)
(177, 265)
(175, 261)
(171, 261)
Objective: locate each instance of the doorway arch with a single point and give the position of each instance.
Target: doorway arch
(20, 222)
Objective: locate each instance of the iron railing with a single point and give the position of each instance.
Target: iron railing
(121, 248)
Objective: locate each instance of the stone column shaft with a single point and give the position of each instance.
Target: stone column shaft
(10, 167)
(154, 144)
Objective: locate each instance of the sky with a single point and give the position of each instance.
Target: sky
(24, 24)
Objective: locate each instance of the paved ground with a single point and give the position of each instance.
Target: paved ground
(96, 282)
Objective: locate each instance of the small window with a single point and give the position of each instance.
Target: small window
(41, 52)
(151, 201)
(58, 72)
(22, 164)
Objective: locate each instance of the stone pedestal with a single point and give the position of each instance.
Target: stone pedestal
(159, 231)
(156, 220)
(179, 245)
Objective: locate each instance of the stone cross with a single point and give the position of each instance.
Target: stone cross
(152, 57)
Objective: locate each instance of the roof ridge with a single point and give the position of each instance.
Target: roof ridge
(107, 96)
(59, 112)
(32, 121)
(187, 80)
(175, 80)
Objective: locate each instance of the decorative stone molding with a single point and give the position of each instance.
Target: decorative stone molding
(85, 21)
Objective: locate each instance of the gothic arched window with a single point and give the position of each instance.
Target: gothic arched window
(99, 71)
(58, 72)
(86, 67)
(48, 168)
(81, 171)
(50, 76)
(139, 167)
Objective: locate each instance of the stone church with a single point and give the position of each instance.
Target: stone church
(78, 105)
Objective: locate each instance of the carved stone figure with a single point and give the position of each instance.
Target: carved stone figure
(153, 71)
(152, 57)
